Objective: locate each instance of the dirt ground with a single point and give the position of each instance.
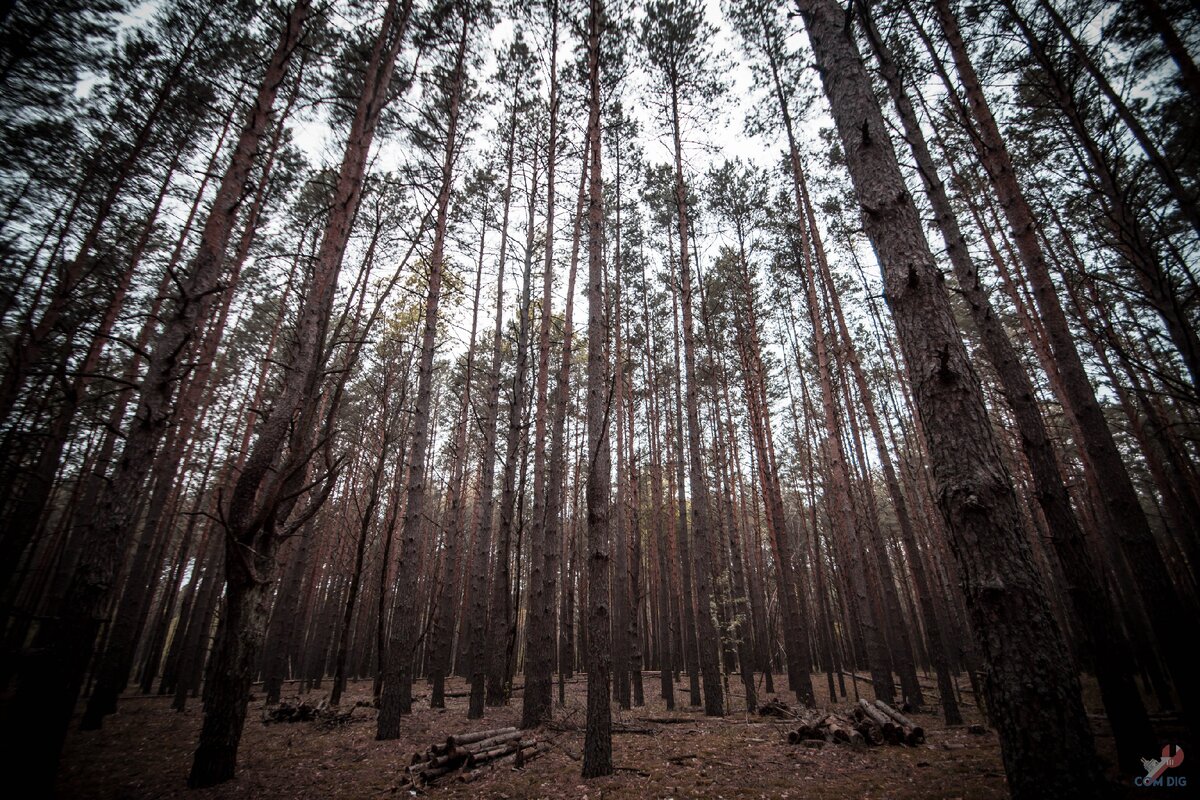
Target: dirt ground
(145, 750)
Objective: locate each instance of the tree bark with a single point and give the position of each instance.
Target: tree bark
(706, 633)
(1114, 665)
(543, 536)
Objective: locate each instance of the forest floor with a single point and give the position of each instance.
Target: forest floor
(144, 751)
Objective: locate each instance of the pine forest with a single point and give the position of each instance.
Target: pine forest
(599, 398)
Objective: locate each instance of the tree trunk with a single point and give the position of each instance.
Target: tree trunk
(1028, 663)
(267, 491)
(483, 537)
(1120, 497)
(597, 743)
(502, 614)
(683, 539)
(557, 470)
(707, 638)
(1114, 666)
(544, 535)
(54, 673)
(396, 692)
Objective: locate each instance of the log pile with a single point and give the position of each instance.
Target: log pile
(323, 714)
(871, 724)
(825, 726)
(882, 724)
(287, 711)
(471, 751)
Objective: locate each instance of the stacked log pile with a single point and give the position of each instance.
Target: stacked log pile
(471, 751)
(871, 724)
(894, 727)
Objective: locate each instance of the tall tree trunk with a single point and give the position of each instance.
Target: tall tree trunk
(1090, 603)
(843, 520)
(502, 614)
(710, 667)
(442, 630)
(54, 672)
(366, 520)
(683, 538)
(544, 535)
(597, 742)
(396, 692)
(267, 489)
(633, 621)
(665, 623)
(620, 553)
(557, 468)
(483, 537)
(285, 622)
(1028, 663)
(1120, 497)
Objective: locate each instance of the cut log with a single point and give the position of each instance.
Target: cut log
(842, 731)
(830, 727)
(913, 734)
(487, 744)
(287, 711)
(499, 751)
(809, 727)
(452, 760)
(459, 739)
(896, 715)
(469, 751)
(871, 732)
(524, 755)
(484, 756)
(431, 775)
(892, 733)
